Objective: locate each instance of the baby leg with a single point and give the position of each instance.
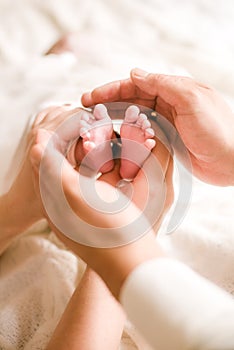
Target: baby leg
(137, 142)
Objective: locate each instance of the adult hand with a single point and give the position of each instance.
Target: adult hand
(203, 119)
(21, 207)
(22, 198)
(113, 264)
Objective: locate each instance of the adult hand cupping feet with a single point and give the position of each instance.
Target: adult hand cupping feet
(107, 262)
(203, 119)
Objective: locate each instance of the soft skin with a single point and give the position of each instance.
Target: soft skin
(202, 117)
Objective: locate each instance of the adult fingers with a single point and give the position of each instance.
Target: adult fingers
(150, 189)
(174, 90)
(114, 91)
(56, 176)
(169, 185)
(120, 90)
(160, 153)
(169, 196)
(41, 115)
(54, 113)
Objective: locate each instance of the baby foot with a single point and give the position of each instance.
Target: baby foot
(137, 142)
(96, 131)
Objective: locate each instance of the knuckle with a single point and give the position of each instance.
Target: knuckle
(194, 95)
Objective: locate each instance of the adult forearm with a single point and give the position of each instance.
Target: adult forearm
(7, 231)
(92, 320)
(109, 262)
(14, 219)
(117, 270)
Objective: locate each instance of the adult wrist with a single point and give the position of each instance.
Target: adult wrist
(7, 224)
(5, 221)
(18, 215)
(125, 259)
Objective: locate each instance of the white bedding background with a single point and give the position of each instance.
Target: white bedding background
(37, 276)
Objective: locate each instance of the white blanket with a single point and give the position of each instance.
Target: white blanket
(37, 275)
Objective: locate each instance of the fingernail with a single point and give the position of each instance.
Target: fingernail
(86, 99)
(139, 72)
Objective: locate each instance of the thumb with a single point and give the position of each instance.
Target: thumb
(50, 164)
(167, 87)
(147, 82)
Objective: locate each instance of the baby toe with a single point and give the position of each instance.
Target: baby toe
(149, 132)
(83, 124)
(89, 145)
(150, 144)
(84, 133)
(142, 117)
(84, 128)
(85, 117)
(132, 114)
(146, 124)
(100, 112)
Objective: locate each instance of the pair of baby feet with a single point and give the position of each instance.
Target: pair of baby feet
(96, 130)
